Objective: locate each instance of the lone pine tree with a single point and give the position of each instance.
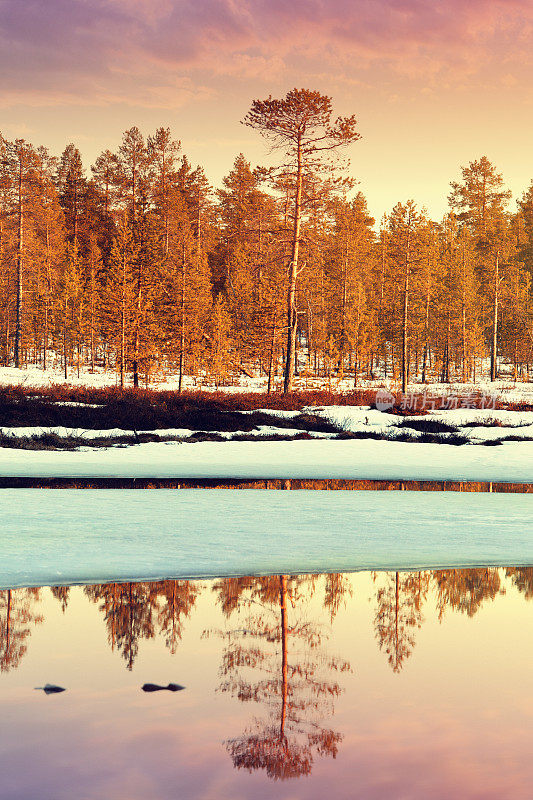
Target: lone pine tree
(300, 126)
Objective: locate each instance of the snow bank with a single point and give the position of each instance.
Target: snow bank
(82, 536)
(363, 419)
(65, 433)
(467, 416)
(511, 462)
(163, 433)
(356, 419)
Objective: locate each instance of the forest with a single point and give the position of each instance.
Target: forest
(138, 265)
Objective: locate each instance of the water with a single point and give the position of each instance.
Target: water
(368, 685)
(63, 536)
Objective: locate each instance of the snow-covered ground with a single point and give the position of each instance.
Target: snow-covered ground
(162, 433)
(81, 536)
(474, 425)
(504, 389)
(511, 462)
(33, 376)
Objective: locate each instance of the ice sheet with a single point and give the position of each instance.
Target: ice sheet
(74, 536)
(511, 462)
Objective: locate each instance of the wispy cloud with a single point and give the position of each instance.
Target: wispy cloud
(156, 54)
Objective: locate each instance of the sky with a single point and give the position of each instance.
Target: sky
(434, 84)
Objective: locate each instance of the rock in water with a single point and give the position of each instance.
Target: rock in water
(49, 688)
(154, 687)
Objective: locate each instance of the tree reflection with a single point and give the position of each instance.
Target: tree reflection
(17, 615)
(465, 590)
(128, 615)
(277, 661)
(137, 611)
(398, 614)
(61, 593)
(174, 602)
(522, 578)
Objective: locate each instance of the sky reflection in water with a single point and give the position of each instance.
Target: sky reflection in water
(372, 685)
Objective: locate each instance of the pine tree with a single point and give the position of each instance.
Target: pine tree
(349, 263)
(184, 291)
(119, 297)
(406, 252)
(300, 125)
(480, 201)
(21, 182)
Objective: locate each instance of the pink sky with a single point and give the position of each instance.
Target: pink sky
(433, 83)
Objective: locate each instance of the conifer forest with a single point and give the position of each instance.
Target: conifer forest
(136, 264)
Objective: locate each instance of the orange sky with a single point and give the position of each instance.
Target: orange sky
(433, 83)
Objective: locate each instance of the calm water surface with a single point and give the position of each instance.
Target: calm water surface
(373, 685)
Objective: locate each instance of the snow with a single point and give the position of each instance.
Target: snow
(80, 536)
(475, 425)
(65, 433)
(511, 462)
(499, 432)
(36, 377)
(356, 419)
(467, 416)
(363, 419)
(503, 389)
(163, 433)
(74, 404)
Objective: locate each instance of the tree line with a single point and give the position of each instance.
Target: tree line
(139, 265)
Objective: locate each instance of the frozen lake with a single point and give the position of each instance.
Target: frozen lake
(69, 536)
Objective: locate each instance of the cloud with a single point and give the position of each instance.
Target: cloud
(56, 52)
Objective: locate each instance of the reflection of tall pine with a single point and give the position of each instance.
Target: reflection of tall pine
(274, 659)
(17, 615)
(399, 614)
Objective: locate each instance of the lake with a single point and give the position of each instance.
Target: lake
(344, 685)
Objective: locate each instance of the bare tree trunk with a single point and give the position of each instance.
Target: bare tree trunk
(406, 313)
(20, 265)
(463, 322)
(292, 316)
(182, 325)
(494, 349)
(123, 321)
(271, 357)
(65, 354)
(426, 336)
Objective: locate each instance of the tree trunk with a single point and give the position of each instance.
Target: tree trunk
(271, 357)
(292, 317)
(494, 348)
(182, 325)
(20, 265)
(405, 376)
